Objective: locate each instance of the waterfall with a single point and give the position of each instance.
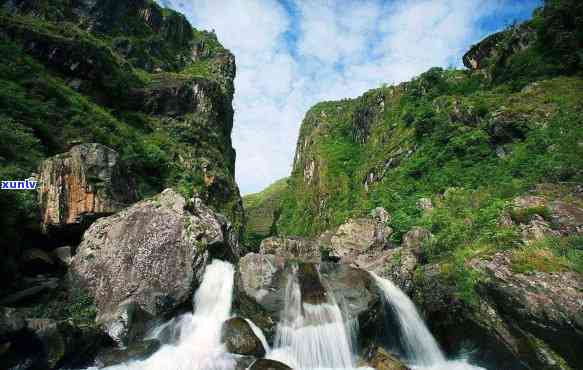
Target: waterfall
(311, 336)
(420, 346)
(199, 334)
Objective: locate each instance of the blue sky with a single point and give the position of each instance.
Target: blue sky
(292, 54)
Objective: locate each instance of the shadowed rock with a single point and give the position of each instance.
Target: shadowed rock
(239, 338)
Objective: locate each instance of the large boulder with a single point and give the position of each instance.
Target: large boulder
(546, 307)
(149, 257)
(302, 249)
(78, 186)
(262, 280)
(239, 338)
(379, 359)
(358, 240)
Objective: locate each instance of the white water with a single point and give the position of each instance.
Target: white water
(199, 337)
(311, 336)
(420, 346)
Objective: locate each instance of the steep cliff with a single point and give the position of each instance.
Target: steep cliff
(487, 163)
(129, 75)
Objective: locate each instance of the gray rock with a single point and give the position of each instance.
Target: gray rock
(239, 338)
(357, 240)
(302, 249)
(152, 255)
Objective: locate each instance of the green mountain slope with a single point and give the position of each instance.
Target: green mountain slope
(127, 74)
(262, 212)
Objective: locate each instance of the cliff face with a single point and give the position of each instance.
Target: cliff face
(126, 74)
(478, 159)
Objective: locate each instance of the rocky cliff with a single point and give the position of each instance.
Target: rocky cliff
(480, 172)
(128, 75)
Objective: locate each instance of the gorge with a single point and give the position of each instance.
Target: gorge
(434, 224)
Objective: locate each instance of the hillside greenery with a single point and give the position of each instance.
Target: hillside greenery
(469, 140)
(70, 75)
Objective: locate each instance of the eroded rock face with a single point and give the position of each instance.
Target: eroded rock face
(239, 338)
(359, 240)
(547, 307)
(150, 255)
(302, 249)
(85, 183)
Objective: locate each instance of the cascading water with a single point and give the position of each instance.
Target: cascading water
(311, 336)
(420, 346)
(199, 334)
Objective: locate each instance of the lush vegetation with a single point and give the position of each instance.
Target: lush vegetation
(68, 76)
(262, 211)
(470, 141)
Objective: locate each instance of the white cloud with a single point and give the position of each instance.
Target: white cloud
(339, 49)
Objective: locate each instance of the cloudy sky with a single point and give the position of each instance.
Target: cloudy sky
(292, 54)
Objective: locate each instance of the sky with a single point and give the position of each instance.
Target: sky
(291, 54)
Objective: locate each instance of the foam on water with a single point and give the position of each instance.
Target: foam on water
(420, 346)
(198, 346)
(311, 336)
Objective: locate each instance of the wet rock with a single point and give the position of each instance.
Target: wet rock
(152, 254)
(380, 359)
(311, 287)
(262, 279)
(134, 352)
(265, 364)
(259, 287)
(127, 323)
(239, 338)
(81, 185)
(356, 293)
(302, 249)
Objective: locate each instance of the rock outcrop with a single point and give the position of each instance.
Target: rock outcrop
(149, 257)
(301, 249)
(239, 338)
(76, 187)
(359, 240)
(262, 281)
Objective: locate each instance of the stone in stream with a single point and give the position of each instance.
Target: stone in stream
(239, 338)
(380, 359)
(265, 364)
(262, 279)
(150, 255)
